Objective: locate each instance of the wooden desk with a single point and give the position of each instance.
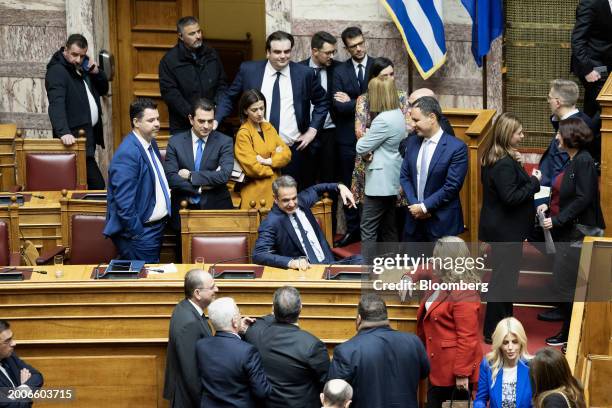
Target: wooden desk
(40, 219)
(108, 339)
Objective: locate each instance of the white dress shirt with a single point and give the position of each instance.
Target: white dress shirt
(329, 124)
(310, 234)
(3, 371)
(160, 210)
(93, 108)
(197, 308)
(288, 131)
(364, 63)
(433, 144)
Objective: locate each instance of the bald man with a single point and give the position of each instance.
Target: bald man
(444, 123)
(336, 394)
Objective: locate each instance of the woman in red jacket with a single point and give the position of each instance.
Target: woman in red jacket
(447, 322)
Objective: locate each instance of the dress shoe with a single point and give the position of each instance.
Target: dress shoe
(552, 315)
(348, 238)
(558, 339)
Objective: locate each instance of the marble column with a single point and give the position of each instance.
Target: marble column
(278, 16)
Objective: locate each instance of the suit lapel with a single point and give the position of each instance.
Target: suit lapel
(203, 321)
(208, 147)
(187, 146)
(291, 232)
(414, 155)
(145, 156)
(440, 148)
(261, 70)
(522, 378)
(297, 92)
(437, 302)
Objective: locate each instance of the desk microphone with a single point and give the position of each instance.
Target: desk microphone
(212, 271)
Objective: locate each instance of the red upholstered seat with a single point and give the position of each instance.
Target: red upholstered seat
(215, 248)
(89, 246)
(48, 172)
(4, 244)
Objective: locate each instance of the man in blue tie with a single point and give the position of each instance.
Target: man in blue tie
(199, 163)
(138, 198)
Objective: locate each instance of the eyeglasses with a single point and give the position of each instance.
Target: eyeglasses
(359, 44)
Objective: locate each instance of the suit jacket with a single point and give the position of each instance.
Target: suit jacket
(553, 160)
(492, 393)
(306, 90)
(130, 196)
(15, 364)
(444, 124)
(507, 199)
(388, 129)
(182, 385)
(579, 200)
(277, 243)
(345, 80)
(449, 330)
(230, 371)
(330, 81)
(445, 177)
(214, 172)
(591, 37)
(295, 362)
(384, 367)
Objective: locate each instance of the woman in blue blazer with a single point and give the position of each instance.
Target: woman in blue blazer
(504, 372)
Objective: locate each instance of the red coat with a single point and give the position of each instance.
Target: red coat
(450, 332)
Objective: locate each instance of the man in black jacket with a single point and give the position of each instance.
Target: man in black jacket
(74, 85)
(295, 361)
(189, 71)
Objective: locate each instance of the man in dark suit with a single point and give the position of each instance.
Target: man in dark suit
(199, 164)
(562, 99)
(290, 237)
(230, 369)
(367, 360)
(74, 85)
(431, 177)
(592, 49)
(15, 374)
(188, 324)
(138, 196)
(188, 71)
(290, 89)
(295, 361)
(349, 81)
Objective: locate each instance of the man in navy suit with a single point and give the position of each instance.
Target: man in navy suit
(15, 374)
(290, 236)
(199, 163)
(384, 366)
(290, 89)
(230, 369)
(349, 81)
(138, 197)
(431, 177)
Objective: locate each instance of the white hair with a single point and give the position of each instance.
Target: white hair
(221, 312)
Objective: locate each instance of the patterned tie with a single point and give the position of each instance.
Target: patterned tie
(275, 106)
(422, 179)
(360, 77)
(310, 253)
(161, 179)
(198, 161)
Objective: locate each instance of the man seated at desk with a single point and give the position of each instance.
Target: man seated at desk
(290, 237)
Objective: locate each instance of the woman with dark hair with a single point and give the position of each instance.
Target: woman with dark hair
(381, 68)
(507, 193)
(574, 212)
(553, 385)
(259, 150)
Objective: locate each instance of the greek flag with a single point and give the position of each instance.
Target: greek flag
(420, 24)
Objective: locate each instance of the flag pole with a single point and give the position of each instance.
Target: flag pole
(484, 82)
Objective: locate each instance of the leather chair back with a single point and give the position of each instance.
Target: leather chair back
(51, 172)
(89, 245)
(220, 247)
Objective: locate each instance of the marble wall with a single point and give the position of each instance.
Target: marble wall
(459, 83)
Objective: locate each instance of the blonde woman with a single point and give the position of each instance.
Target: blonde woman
(447, 323)
(507, 199)
(504, 374)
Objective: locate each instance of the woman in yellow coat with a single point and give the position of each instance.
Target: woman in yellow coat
(259, 150)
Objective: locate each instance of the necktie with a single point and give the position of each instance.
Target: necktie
(360, 77)
(160, 178)
(317, 72)
(275, 105)
(310, 253)
(422, 180)
(198, 161)
(4, 365)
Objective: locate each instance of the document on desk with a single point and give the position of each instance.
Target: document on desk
(166, 268)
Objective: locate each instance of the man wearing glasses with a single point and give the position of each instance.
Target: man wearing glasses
(349, 81)
(187, 325)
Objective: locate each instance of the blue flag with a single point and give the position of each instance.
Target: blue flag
(488, 24)
(420, 25)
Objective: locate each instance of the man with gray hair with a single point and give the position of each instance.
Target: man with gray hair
(562, 99)
(188, 324)
(336, 394)
(290, 236)
(230, 369)
(295, 361)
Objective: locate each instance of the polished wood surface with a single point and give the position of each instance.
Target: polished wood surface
(605, 100)
(8, 132)
(107, 339)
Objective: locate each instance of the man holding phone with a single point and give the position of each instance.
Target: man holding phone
(74, 85)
